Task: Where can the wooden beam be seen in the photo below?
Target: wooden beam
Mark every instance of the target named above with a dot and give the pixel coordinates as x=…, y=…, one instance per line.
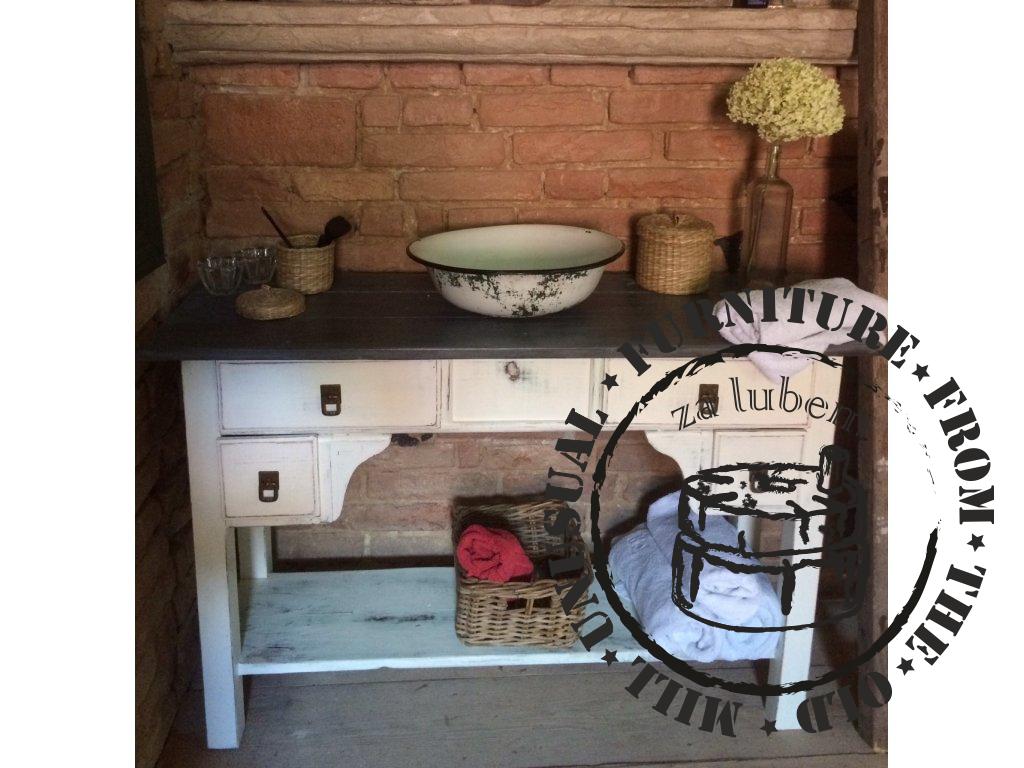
x=872, y=230
x=209, y=32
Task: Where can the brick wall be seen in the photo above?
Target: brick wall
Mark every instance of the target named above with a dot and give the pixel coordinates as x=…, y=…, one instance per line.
x=166, y=636
x=399, y=502
x=406, y=150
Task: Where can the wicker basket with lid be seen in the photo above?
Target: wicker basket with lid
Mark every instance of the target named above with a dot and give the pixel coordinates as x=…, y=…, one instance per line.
x=674, y=254
x=306, y=268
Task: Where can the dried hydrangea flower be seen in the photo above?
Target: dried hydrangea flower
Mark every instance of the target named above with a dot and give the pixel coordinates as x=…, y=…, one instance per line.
x=786, y=99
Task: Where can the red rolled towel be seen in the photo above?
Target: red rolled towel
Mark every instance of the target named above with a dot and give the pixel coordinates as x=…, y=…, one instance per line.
x=492, y=554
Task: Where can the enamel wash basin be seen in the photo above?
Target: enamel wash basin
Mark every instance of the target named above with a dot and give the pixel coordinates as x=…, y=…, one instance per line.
x=516, y=270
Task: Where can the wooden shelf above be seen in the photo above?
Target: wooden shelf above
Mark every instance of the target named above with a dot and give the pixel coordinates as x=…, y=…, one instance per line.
x=258, y=32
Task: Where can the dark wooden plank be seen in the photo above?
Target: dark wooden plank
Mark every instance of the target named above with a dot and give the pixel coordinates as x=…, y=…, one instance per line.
x=393, y=316
x=872, y=237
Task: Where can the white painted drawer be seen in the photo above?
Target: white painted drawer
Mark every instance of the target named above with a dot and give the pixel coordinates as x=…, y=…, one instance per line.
x=685, y=392
x=289, y=463
x=735, y=447
x=283, y=397
x=517, y=393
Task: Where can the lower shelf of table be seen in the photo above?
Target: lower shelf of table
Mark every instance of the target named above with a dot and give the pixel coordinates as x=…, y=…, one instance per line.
x=401, y=618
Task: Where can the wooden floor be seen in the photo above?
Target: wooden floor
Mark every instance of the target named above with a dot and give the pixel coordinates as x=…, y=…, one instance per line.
x=525, y=717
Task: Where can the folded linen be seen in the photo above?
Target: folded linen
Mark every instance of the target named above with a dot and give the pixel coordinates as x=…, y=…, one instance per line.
x=641, y=564
x=807, y=335
x=492, y=554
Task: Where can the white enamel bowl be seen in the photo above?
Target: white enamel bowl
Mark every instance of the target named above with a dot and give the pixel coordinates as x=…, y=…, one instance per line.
x=516, y=270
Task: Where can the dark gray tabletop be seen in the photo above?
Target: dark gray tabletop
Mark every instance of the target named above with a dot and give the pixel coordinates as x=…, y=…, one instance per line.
x=399, y=316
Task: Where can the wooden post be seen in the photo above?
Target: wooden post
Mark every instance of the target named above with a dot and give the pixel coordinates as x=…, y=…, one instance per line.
x=872, y=236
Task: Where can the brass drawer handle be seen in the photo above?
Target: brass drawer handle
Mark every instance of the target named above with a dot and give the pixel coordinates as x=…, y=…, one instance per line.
x=269, y=485
x=512, y=370
x=707, y=400
x=330, y=399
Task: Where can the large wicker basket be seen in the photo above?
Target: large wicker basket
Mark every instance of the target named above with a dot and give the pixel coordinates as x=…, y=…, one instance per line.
x=305, y=268
x=674, y=254
x=517, y=613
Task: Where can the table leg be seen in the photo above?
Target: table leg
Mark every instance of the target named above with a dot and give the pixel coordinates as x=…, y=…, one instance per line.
x=216, y=580
x=255, y=553
x=792, y=660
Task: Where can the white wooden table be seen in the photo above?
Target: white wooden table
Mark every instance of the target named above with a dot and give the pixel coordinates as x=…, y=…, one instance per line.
x=256, y=422
x=279, y=415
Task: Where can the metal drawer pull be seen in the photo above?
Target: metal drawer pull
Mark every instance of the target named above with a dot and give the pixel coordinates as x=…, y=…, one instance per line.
x=512, y=370
x=330, y=399
x=707, y=400
x=270, y=484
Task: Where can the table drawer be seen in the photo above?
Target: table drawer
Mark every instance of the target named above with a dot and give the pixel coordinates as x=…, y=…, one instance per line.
x=270, y=477
x=519, y=392
x=718, y=381
x=283, y=397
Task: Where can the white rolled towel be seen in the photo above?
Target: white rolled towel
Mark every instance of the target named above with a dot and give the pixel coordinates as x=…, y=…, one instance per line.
x=641, y=564
x=807, y=335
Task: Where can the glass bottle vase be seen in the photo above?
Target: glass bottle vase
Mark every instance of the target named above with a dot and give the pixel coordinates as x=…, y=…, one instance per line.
x=769, y=211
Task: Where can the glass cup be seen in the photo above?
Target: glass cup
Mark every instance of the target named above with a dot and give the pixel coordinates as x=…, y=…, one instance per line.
x=221, y=275
x=258, y=264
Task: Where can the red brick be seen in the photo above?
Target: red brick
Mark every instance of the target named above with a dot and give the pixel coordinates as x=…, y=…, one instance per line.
x=346, y=75
x=438, y=110
x=335, y=184
x=433, y=485
x=816, y=183
x=653, y=75
x=374, y=254
x=737, y=143
x=264, y=130
x=529, y=109
x=386, y=516
x=588, y=74
x=693, y=104
x=434, y=150
x=461, y=218
x=826, y=220
x=414, y=544
x=171, y=139
x=318, y=543
x=165, y=97
x=232, y=183
x=425, y=75
x=429, y=219
x=835, y=258
x=382, y=111
x=382, y=219
x=523, y=484
x=273, y=75
x=710, y=144
x=243, y=219
x=435, y=453
x=839, y=145
x=174, y=185
x=471, y=185
x=581, y=146
x=675, y=182
x=504, y=74
x=574, y=185
x=614, y=221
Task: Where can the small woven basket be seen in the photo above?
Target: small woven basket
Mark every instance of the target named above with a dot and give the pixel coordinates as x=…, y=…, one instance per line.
x=674, y=254
x=266, y=303
x=305, y=268
x=517, y=613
